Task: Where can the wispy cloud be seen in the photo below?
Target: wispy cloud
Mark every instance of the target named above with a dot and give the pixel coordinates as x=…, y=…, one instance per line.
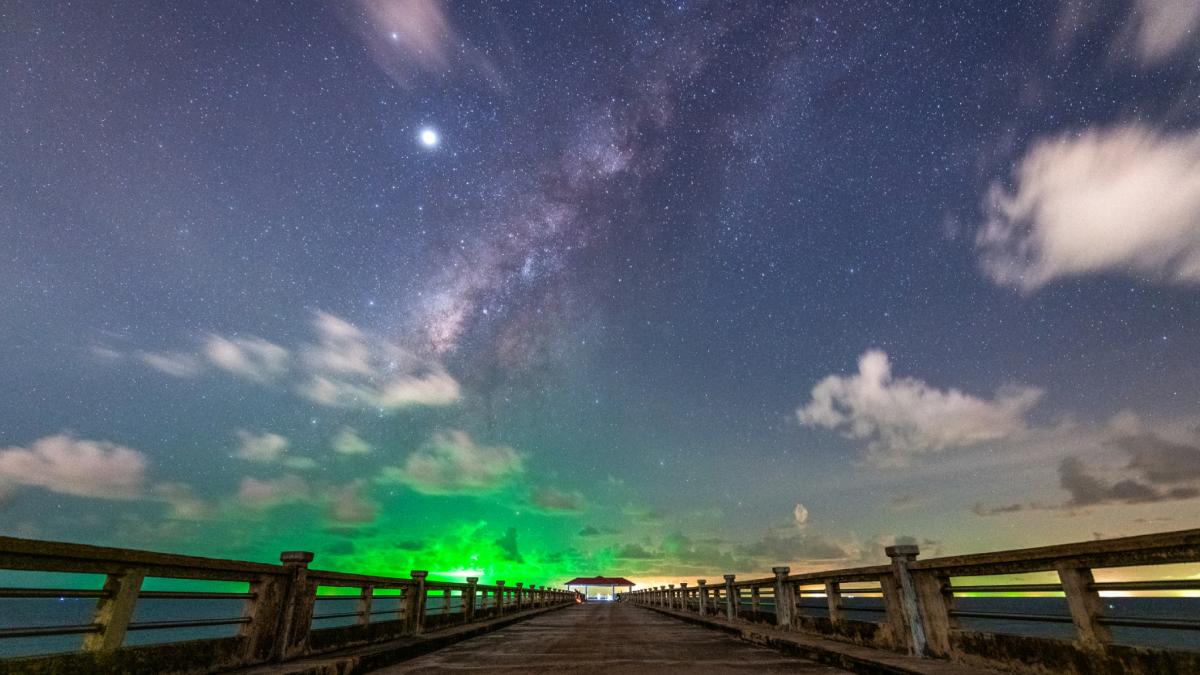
x=268, y=493
x=453, y=463
x=901, y=418
x=413, y=38
x=175, y=364
x=1164, y=27
x=346, y=367
x=264, y=448
x=347, y=442
x=249, y=357
x=350, y=505
x=349, y=368
x=1123, y=200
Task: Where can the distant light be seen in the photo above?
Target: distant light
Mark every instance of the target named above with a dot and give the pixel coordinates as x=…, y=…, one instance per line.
x=429, y=137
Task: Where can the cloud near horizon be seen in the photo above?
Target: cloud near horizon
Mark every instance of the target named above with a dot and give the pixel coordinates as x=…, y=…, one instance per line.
x=73, y=466
x=1122, y=200
x=902, y=418
x=452, y=463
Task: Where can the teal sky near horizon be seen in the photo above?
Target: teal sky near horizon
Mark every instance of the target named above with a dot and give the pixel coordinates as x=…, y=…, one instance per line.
x=535, y=290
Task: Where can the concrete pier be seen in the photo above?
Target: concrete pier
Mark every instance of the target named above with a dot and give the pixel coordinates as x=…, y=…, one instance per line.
x=609, y=637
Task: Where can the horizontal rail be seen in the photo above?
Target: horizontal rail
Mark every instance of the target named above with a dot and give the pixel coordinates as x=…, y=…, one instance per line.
x=187, y=623
x=50, y=593
x=1132, y=622
x=197, y=595
x=1163, y=585
x=336, y=615
x=1009, y=588
x=1012, y=616
x=52, y=556
x=1148, y=549
x=41, y=631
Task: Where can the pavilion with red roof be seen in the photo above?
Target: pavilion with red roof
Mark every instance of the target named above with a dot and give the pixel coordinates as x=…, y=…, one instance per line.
x=593, y=588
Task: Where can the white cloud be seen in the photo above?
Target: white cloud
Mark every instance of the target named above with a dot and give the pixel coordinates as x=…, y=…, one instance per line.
x=272, y=492
x=1164, y=27
x=904, y=417
x=452, y=463
x=345, y=368
x=800, y=515
x=105, y=353
x=349, y=368
x=252, y=357
x=74, y=466
x=1122, y=200
x=348, y=442
x=263, y=448
x=175, y=364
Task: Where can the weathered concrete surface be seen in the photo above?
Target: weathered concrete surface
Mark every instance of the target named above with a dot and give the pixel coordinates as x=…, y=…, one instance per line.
x=853, y=658
x=606, y=637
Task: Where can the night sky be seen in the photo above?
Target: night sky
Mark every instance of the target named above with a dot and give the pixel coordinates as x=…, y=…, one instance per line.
x=655, y=289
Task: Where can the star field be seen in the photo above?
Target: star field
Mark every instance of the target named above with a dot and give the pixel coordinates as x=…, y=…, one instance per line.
x=538, y=289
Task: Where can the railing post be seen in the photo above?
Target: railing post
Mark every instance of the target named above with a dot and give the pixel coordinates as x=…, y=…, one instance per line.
x=469, y=600
x=833, y=599
x=908, y=624
x=703, y=596
x=114, y=610
x=732, y=597
x=446, y=595
x=783, y=596
x=416, y=615
x=265, y=610
x=1085, y=605
x=755, y=601
x=671, y=597
x=500, y=598
x=298, y=605
x=937, y=603
x=364, y=605
x=518, y=594
x=684, y=597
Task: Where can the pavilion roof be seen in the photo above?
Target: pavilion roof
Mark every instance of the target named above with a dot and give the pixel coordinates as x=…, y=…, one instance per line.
x=600, y=581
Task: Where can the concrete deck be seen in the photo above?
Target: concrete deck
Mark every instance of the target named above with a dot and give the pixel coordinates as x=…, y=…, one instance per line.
x=606, y=637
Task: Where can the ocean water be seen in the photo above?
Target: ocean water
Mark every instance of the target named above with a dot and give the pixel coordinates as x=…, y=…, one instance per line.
x=66, y=611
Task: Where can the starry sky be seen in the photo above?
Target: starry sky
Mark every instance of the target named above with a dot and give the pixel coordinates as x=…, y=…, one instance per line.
x=533, y=290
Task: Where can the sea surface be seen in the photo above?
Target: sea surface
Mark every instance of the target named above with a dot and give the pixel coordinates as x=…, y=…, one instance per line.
x=67, y=611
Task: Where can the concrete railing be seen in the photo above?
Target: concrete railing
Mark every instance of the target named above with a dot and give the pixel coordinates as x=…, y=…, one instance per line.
x=279, y=605
x=919, y=614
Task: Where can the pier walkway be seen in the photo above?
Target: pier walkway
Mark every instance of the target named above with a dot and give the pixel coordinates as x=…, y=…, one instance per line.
x=609, y=637
x=1124, y=606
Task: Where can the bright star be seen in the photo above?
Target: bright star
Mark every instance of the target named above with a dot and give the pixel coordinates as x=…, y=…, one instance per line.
x=429, y=137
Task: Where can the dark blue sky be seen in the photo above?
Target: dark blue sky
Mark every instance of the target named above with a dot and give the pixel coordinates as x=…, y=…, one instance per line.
x=627, y=280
